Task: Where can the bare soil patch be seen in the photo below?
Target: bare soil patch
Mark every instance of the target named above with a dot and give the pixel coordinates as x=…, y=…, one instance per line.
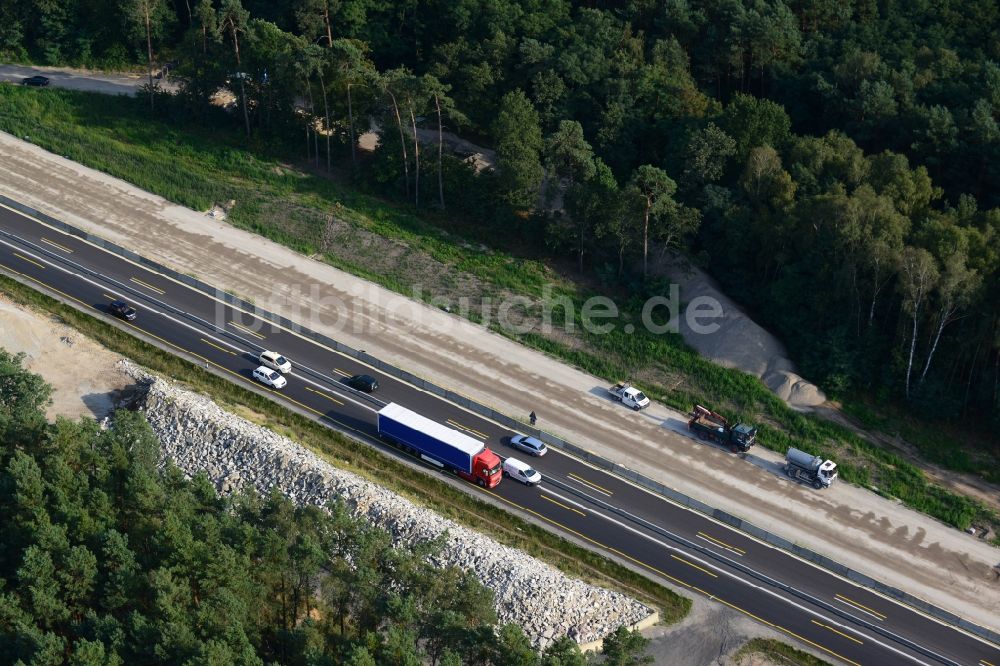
x=84, y=376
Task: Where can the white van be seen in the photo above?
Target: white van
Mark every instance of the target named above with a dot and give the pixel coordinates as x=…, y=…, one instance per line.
x=521, y=471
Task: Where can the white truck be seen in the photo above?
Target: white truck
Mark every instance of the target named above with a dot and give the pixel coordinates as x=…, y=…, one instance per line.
x=629, y=395
x=809, y=468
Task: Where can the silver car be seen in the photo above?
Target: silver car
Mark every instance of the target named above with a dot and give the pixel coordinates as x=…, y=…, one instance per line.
x=531, y=445
x=275, y=361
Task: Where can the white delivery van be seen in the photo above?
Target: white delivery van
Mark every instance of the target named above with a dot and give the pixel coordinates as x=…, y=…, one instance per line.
x=521, y=471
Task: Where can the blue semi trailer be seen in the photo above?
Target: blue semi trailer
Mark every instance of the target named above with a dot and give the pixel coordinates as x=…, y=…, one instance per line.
x=439, y=445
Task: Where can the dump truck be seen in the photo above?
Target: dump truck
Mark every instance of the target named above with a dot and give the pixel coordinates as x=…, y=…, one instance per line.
x=629, y=395
x=439, y=445
x=714, y=427
x=812, y=469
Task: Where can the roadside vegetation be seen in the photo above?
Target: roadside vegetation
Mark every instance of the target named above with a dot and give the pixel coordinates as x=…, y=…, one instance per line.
x=776, y=653
x=834, y=167
x=109, y=560
x=359, y=458
x=332, y=219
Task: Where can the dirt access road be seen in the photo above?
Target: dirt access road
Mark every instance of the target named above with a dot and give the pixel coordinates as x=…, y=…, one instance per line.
x=111, y=83
x=848, y=524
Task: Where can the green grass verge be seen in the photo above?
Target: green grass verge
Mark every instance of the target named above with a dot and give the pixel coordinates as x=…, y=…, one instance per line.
x=934, y=442
x=778, y=653
x=361, y=459
x=197, y=166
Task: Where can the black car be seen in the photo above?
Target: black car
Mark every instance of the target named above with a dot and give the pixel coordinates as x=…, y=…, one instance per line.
x=35, y=81
x=365, y=383
x=122, y=309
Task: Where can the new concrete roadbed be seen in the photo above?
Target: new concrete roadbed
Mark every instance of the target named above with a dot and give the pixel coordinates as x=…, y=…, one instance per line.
x=604, y=512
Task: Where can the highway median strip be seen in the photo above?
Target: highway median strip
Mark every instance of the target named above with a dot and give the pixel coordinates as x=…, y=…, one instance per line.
x=428, y=490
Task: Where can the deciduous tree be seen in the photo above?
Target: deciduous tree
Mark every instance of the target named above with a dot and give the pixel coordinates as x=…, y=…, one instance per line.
x=918, y=276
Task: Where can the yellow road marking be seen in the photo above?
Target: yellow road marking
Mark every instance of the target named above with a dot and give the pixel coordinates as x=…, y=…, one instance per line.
x=246, y=330
x=30, y=261
x=692, y=564
x=489, y=492
x=565, y=506
x=203, y=294
x=721, y=543
x=826, y=626
x=590, y=483
x=325, y=395
x=985, y=663
x=110, y=297
x=341, y=372
x=195, y=354
x=147, y=285
x=664, y=574
x=221, y=349
x=844, y=599
x=471, y=431
x=57, y=245
x=28, y=277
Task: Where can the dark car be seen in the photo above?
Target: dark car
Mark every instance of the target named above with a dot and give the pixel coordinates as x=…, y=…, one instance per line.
x=122, y=309
x=35, y=81
x=365, y=383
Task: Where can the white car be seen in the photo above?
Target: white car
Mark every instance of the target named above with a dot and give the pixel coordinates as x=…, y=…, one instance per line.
x=269, y=377
x=275, y=361
x=521, y=471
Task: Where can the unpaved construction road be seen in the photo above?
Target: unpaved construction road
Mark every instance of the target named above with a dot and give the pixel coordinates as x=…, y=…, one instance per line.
x=875, y=536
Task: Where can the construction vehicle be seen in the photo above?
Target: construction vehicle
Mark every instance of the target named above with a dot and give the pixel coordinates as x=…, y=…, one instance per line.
x=714, y=427
x=812, y=469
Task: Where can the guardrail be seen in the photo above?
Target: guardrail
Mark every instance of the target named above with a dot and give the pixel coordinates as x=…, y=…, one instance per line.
x=514, y=424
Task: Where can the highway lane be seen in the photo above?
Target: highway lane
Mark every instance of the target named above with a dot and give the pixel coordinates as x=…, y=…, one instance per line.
x=597, y=508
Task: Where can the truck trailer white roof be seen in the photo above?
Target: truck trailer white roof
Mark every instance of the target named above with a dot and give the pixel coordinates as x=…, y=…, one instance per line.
x=408, y=417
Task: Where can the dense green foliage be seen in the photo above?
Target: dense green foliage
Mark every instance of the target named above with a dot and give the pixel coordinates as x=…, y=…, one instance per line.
x=291, y=207
x=106, y=559
x=835, y=165
x=796, y=149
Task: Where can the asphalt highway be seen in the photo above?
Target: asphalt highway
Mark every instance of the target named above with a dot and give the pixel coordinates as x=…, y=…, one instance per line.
x=847, y=623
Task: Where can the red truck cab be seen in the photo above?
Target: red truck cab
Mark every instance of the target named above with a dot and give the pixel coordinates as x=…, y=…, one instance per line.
x=486, y=469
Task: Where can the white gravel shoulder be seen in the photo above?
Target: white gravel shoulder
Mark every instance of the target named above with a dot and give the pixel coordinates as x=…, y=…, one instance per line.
x=199, y=436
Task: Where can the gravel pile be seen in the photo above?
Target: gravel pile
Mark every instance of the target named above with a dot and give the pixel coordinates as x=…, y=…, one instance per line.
x=198, y=436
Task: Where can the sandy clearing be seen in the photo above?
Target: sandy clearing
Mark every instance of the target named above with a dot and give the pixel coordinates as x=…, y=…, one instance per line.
x=84, y=375
x=854, y=526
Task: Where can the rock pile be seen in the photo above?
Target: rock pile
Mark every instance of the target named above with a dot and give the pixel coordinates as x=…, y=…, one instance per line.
x=198, y=436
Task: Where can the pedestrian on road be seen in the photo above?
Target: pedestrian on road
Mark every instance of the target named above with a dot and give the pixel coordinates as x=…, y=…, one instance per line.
x=532, y=418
